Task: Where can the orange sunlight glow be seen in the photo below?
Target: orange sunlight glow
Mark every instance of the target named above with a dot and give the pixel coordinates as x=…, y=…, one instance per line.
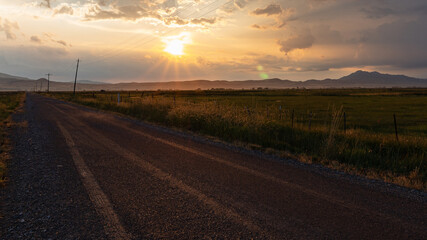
x=175, y=47
x=175, y=44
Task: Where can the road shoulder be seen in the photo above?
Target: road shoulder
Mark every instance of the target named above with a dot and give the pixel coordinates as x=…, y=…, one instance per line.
x=44, y=197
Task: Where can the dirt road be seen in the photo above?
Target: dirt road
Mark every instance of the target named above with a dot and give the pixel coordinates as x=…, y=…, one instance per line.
x=78, y=173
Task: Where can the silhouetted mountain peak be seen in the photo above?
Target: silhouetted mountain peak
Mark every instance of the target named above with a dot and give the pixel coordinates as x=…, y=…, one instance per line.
x=362, y=74
x=363, y=77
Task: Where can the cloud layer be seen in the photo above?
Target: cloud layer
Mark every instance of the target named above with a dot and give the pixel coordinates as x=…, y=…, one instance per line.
x=230, y=38
x=272, y=9
x=9, y=28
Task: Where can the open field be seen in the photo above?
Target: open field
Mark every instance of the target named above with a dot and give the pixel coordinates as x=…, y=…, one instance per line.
x=304, y=124
x=8, y=104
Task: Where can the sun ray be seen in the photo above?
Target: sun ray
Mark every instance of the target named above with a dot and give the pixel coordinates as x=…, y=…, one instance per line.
x=165, y=70
x=176, y=70
x=187, y=70
x=155, y=66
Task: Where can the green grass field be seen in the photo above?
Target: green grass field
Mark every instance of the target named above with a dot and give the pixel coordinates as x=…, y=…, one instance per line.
x=8, y=104
x=305, y=124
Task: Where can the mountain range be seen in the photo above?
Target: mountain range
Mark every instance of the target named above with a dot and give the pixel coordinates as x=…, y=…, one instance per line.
x=359, y=79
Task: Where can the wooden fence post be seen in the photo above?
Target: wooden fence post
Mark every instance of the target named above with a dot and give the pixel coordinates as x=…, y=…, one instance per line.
x=345, y=123
x=293, y=113
x=309, y=121
x=395, y=128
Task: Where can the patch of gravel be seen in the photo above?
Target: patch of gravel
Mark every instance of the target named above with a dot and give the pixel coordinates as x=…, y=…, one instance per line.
x=44, y=198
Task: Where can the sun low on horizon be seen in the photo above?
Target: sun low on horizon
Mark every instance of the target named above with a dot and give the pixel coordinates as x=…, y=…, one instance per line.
x=175, y=45
x=168, y=40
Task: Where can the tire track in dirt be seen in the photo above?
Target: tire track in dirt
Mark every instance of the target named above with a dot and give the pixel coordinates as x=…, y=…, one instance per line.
x=156, y=172
x=112, y=225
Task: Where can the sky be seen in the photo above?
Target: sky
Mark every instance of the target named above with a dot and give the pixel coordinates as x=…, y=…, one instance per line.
x=176, y=40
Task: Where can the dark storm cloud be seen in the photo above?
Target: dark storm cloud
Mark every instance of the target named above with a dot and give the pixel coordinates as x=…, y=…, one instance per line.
x=300, y=41
x=400, y=43
x=270, y=62
x=377, y=12
x=343, y=34
x=323, y=34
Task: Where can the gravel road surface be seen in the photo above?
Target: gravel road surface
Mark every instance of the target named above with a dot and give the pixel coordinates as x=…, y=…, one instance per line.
x=79, y=173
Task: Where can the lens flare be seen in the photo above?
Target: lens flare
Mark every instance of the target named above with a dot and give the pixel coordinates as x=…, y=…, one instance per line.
x=264, y=75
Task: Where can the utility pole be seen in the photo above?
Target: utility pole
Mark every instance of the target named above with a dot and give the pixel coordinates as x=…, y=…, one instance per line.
x=75, y=79
x=48, y=81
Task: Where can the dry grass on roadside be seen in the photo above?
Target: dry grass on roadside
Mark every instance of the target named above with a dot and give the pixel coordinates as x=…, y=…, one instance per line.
x=412, y=180
x=9, y=103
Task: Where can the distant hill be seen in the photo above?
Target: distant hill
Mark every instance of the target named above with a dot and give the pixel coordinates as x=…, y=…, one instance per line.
x=90, y=82
x=359, y=79
x=3, y=75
